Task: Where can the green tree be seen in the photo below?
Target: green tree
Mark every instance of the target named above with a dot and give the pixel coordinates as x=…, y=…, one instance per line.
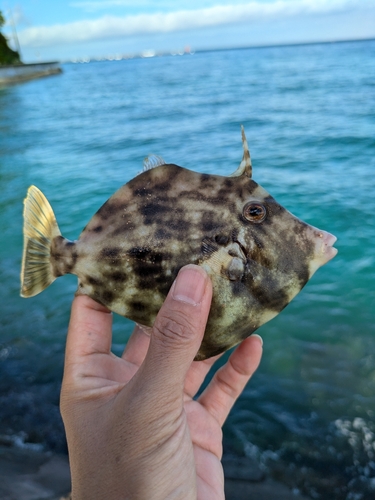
x=7, y=55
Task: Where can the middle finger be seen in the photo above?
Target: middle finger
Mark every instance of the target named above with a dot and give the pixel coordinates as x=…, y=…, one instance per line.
x=197, y=373
x=137, y=346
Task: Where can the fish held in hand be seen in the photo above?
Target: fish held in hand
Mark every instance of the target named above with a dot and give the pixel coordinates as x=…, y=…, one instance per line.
x=257, y=254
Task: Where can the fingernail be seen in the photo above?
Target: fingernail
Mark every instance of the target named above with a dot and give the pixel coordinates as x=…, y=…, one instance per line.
x=190, y=285
x=259, y=337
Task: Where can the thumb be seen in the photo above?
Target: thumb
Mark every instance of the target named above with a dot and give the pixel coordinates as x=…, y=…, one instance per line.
x=179, y=327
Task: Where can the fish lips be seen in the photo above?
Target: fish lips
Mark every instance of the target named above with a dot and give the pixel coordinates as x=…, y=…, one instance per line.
x=327, y=248
x=324, y=249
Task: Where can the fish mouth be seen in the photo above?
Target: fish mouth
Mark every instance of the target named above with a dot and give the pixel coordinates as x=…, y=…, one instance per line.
x=325, y=248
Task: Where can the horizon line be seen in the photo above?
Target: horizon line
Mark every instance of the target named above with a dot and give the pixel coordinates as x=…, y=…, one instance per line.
x=288, y=44
x=141, y=54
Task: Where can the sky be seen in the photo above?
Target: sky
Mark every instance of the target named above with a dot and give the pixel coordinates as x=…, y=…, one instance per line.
x=71, y=29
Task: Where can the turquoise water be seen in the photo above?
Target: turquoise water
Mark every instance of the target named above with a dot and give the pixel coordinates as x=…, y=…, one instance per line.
x=308, y=415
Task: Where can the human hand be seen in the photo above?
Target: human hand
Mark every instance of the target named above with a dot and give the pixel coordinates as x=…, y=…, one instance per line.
x=134, y=430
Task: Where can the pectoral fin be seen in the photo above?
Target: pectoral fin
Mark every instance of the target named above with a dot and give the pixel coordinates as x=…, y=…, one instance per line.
x=225, y=261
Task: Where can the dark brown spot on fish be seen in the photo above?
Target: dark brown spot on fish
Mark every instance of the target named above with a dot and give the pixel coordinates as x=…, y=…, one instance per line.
x=147, y=270
x=228, y=183
x=225, y=189
x=162, y=234
x=208, y=349
x=63, y=256
x=153, y=212
x=106, y=210
x=209, y=222
x=69, y=268
x=209, y=226
x=164, y=284
x=274, y=302
x=156, y=257
x=251, y=186
x=267, y=290
x=94, y=281
x=110, y=209
x=147, y=265
x=70, y=263
x=238, y=288
x=303, y=276
x=137, y=305
x=57, y=246
x=218, y=200
x=98, y=229
x=221, y=239
x=258, y=253
x=179, y=225
x=107, y=296
x=300, y=229
x=113, y=256
x=139, y=252
x=208, y=186
x=56, y=255
x=124, y=228
x=273, y=210
x=270, y=199
x=162, y=187
x=110, y=253
x=217, y=311
x=118, y=276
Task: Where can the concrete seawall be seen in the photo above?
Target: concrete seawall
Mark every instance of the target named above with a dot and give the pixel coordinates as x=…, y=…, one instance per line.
x=23, y=72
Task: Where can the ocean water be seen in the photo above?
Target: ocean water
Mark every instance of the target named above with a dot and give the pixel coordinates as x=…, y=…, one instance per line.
x=308, y=415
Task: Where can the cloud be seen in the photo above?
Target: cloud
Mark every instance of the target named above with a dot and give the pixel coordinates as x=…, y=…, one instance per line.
x=95, y=5
x=110, y=27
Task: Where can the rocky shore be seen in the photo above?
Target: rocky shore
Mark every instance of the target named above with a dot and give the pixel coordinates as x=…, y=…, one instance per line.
x=27, y=474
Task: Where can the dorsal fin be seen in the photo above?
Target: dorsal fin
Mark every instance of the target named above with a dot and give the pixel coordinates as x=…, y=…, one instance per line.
x=245, y=167
x=152, y=161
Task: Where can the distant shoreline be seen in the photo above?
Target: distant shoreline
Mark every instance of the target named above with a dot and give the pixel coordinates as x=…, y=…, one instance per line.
x=291, y=44
x=147, y=54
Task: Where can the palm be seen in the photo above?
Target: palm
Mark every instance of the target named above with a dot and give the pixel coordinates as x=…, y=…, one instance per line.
x=98, y=376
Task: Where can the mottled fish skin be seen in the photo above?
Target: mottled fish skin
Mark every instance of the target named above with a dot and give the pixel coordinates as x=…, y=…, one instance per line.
x=132, y=249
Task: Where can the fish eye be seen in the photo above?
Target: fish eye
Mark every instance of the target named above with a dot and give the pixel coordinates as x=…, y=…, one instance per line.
x=254, y=212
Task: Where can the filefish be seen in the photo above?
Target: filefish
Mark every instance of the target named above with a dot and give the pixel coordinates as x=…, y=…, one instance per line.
x=257, y=254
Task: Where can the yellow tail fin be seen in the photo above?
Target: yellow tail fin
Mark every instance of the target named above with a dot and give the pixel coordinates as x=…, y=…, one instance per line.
x=39, y=229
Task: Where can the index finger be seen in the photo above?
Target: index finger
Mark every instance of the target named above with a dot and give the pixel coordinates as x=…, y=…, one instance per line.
x=90, y=329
